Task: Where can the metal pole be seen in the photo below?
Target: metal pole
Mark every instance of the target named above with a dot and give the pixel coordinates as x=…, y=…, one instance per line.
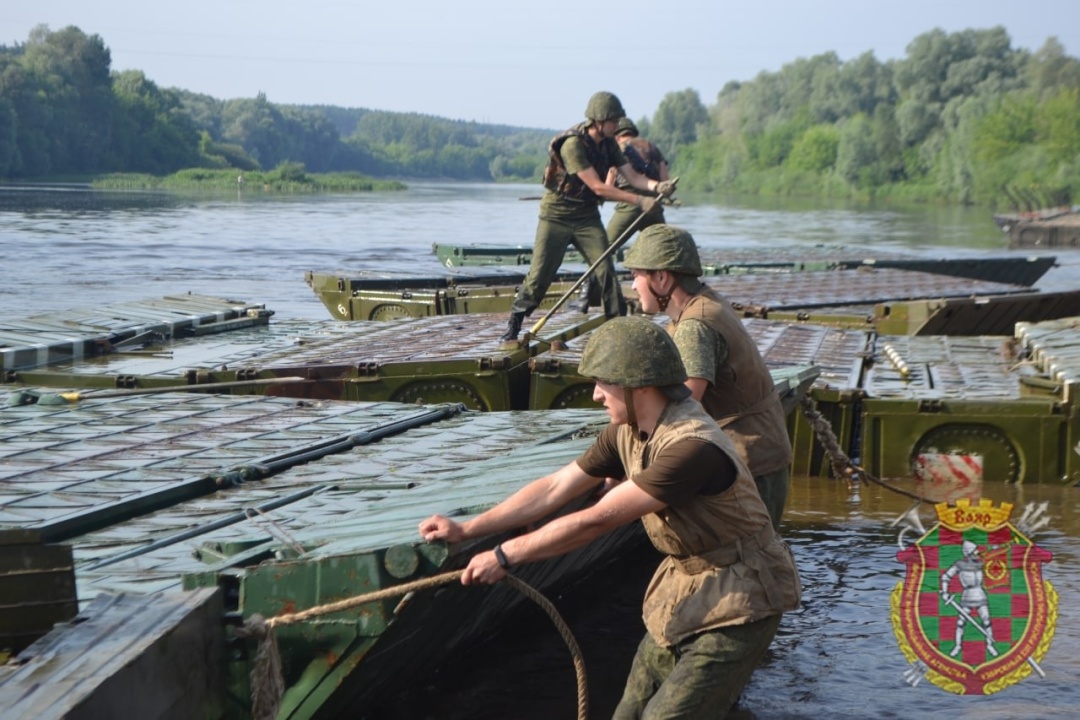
x=619, y=242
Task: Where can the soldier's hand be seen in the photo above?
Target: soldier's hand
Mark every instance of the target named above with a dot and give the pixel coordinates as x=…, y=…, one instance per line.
x=665, y=188
x=438, y=527
x=648, y=204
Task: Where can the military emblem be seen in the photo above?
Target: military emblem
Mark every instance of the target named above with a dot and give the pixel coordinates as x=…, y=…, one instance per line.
x=974, y=614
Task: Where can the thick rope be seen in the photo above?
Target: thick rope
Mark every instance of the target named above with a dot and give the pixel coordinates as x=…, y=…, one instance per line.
x=842, y=465
x=268, y=686
x=564, y=630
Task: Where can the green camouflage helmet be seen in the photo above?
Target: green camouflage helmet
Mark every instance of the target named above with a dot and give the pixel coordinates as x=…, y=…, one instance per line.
x=604, y=106
x=664, y=247
x=632, y=352
x=626, y=126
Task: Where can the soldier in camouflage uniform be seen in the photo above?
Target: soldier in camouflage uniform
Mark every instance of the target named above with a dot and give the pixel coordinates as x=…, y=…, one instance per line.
x=575, y=184
x=647, y=159
x=716, y=599
x=726, y=370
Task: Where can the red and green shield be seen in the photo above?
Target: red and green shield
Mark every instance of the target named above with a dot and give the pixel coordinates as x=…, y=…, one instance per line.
x=1022, y=606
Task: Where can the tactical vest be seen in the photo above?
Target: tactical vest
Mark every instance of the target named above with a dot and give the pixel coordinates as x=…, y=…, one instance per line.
x=725, y=564
x=742, y=398
x=644, y=157
x=570, y=187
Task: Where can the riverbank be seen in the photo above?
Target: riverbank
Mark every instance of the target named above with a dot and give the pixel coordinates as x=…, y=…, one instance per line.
x=286, y=178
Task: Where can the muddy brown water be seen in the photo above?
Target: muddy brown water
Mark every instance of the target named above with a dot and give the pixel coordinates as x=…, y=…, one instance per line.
x=837, y=657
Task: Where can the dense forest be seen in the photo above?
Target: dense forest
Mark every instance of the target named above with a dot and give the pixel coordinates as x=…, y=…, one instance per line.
x=963, y=118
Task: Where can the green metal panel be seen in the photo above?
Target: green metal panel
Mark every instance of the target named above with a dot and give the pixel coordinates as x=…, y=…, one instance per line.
x=463, y=299
x=395, y=304
x=847, y=317
x=455, y=256
x=1071, y=441
x=799, y=258
x=840, y=409
x=961, y=395
x=450, y=358
x=447, y=359
x=1020, y=440
x=387, y=296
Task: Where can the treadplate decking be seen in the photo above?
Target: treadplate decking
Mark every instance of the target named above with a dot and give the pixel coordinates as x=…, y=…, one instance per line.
x=41, y=340
x=184, y=490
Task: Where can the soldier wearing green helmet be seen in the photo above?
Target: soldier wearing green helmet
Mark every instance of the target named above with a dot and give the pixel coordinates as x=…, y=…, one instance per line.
x=575, y=182
x=716, y=599
x=647, y=159
x=726, y=370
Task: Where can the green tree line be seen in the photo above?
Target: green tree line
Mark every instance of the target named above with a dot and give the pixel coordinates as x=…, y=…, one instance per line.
x=64, y=112
x=962, y=118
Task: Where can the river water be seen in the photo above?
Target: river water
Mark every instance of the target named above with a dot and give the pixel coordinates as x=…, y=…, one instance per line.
x=837, y=657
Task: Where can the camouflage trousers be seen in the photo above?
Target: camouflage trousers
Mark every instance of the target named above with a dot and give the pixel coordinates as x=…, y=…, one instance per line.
x=624, y=216
x=700, y=678
x=773, y=488
x=552, y=239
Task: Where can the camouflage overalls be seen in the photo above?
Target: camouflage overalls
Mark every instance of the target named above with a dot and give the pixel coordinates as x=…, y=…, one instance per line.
x=714, y=604
x=570, y=215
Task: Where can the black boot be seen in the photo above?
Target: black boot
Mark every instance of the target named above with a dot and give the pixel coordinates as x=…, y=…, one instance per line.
x=513, y=327
x=581, y=305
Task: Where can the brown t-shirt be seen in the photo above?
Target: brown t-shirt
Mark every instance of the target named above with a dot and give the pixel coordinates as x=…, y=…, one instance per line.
x=685, y=469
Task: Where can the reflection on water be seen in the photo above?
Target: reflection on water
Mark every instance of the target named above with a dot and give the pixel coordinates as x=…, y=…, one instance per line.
x=837, y=657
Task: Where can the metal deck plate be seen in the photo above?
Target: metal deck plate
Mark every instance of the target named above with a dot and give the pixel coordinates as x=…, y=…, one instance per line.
x=780, y=291
x=944, y=367
x=89, y=471
x=453, y=358
x=1053, y=346
x=39, y=340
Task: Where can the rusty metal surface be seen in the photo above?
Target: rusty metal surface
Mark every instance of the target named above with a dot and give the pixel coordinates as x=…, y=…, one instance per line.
x=397, y=280
x=1052, y=227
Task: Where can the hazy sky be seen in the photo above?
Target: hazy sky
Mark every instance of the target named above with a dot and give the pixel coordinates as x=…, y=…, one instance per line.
x=531, y=63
